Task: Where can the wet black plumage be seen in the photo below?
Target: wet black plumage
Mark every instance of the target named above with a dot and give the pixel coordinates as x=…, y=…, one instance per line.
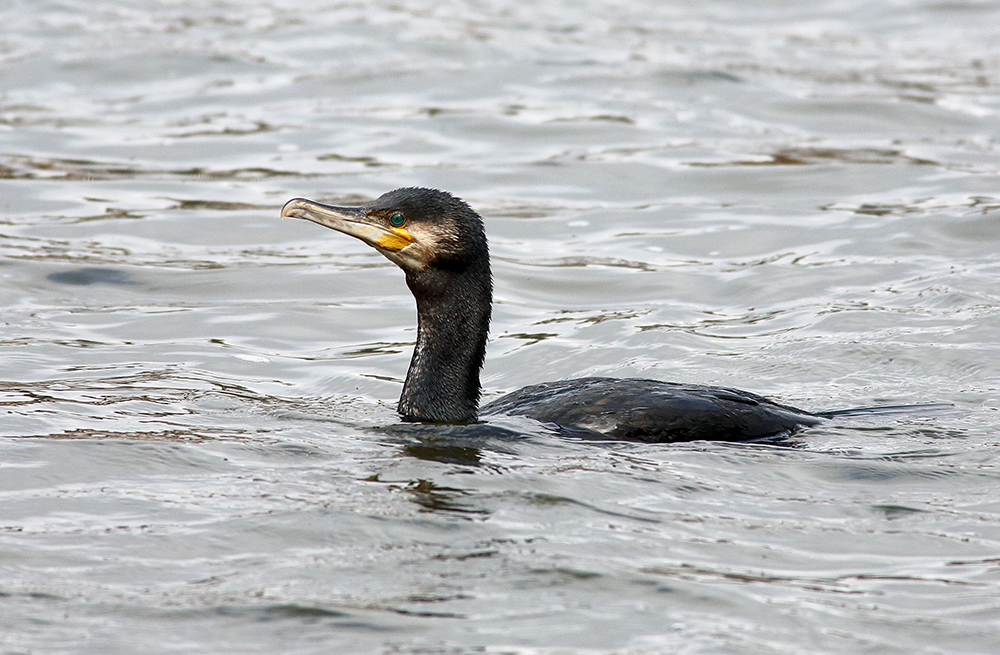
x=440, y=244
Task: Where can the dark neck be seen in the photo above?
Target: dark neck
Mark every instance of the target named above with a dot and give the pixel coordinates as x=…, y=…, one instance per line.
x=453, y=318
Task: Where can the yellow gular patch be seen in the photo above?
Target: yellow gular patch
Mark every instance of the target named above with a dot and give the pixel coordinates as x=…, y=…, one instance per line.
x=395, y=240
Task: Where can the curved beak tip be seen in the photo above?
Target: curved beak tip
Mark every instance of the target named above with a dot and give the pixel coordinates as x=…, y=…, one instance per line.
x=289, y=207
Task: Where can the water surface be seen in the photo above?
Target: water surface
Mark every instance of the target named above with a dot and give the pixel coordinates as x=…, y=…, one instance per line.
x=199, y=449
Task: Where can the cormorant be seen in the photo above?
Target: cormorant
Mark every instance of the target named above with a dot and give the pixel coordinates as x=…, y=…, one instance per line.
x=439, y=242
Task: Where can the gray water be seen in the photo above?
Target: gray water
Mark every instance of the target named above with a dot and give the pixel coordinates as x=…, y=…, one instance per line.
x=199, y=448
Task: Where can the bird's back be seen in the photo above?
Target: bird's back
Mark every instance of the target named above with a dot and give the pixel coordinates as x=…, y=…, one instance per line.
x=652, y=411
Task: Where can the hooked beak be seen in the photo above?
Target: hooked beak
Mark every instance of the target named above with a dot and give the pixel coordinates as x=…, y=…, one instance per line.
x=353, y=221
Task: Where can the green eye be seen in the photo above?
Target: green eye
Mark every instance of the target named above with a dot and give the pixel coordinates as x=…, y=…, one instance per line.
x=397, y=220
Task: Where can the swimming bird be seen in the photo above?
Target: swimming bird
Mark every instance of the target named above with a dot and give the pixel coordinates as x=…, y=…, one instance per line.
x=440, y=243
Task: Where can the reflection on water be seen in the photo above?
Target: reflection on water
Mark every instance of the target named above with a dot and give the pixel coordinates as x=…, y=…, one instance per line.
x=199, y=437
x=92, y=275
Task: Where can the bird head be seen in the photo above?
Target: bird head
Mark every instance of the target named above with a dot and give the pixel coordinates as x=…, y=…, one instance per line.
x=415, y=228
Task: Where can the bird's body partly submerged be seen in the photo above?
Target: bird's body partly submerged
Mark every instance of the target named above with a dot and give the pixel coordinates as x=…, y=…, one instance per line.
x=651, y=410
x=440, y=244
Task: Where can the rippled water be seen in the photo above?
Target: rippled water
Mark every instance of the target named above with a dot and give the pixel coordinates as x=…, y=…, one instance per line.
x=199, y=448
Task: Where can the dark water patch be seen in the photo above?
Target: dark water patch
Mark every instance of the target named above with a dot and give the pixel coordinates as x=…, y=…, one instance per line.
x=305, y=615
x=445, y=453
x=433, y=497
x=381, y=348
x=892, y=512
x=181, y=435
x=985, y=204
x=894, y=209
x=584, y=262
x=248, y=173
x=978, y=204
x=68, y=170
x=560, y=575
x=111, y=213
x=608, y=118
x=714, y=323
x=92, y=275
x=219, y=205
x=552, y=500
x=674, y=77
x=530, y=339
x=166, y=386
x=584, y=318
x=993, y=562
x=882, y=473
x=692, y=572
x=367, y=161
x=786, y=258
x=256, y=128
x=473, y=434
x=462, y=557
x=813, y=156
x=81, y=251
x=32, y=595
x=841, y=584
x=87, y=343
x=462, y=445
x=285, y=611
x=28, y=167
x=425, y=614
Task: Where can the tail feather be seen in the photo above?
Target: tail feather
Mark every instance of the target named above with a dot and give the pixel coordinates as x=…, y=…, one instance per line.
x=887, y=410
